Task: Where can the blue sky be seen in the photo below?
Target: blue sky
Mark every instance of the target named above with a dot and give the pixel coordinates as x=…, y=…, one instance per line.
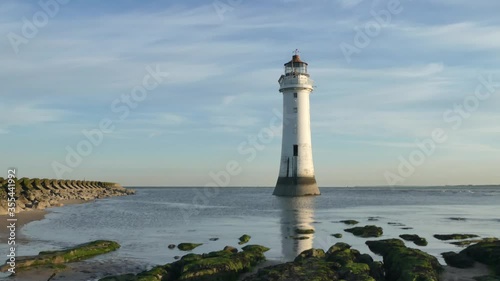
x=223, y=60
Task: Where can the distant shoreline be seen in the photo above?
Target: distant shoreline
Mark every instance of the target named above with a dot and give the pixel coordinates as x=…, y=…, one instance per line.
x=343, y=187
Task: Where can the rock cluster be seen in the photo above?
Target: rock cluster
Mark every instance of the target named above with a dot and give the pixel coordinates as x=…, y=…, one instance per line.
x=340, y=262
x=402, y=263
x=486, y=251
x=52, y=258
x=220, y=265
x=38, y=194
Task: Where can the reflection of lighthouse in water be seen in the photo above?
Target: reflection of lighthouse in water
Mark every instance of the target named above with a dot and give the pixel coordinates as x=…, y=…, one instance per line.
x=296, y=213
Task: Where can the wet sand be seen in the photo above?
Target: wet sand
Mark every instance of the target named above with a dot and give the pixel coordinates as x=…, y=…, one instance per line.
x=80, y=271
x=467, y=274
x=22, y=219
x=26, y=217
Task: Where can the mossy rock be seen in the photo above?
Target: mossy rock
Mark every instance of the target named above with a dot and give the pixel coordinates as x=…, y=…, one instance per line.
x=343, y=257
x=311, y=253
x=337, y=235
x=377, y=270
x=364, y=258
x=339, y=246
x=304, y=230
x=77, y=253
x=402, y=263
x=420, y=241
x=255, y=248
x=485, y=252
x=464, y=243
x=349, y=222
x=339, y=263
x=356, y=271
x=188, y=246
x=382, y=247
x=218, y=265
x=446, y=237
x=222, y=265
x=366, y=231
x=244, y=239
x=458, y=260
x=311, y=269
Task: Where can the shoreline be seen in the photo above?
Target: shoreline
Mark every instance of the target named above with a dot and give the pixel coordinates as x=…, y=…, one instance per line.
x=26, y=216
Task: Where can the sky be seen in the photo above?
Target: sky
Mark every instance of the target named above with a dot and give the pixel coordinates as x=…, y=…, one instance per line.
x=184, y=93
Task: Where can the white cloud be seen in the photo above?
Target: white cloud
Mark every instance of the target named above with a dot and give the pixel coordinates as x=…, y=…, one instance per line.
x=470, y=35
x=21, y=115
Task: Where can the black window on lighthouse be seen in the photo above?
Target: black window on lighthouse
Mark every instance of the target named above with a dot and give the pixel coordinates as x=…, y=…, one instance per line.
x=295, y=150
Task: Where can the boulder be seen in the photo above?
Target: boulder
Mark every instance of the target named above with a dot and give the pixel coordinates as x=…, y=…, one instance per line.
x=188, y=246
x=487, y=252
x=402, y=263
x=455, y=236
x=244, y=239
x=350, y=222
x=420, y=241
x=366, y=231
x=458, y=260
x=77, y=253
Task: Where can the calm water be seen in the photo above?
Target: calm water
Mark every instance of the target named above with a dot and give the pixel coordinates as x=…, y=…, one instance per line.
x=146, y=223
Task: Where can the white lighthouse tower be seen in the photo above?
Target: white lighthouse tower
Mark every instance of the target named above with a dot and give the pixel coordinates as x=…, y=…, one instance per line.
x=296, y=176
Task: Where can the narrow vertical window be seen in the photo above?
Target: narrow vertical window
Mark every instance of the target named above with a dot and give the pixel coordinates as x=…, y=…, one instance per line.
x=295, y=95
x=295, y=150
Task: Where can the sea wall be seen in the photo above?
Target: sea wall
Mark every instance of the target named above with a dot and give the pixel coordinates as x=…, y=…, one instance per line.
x=38, y=194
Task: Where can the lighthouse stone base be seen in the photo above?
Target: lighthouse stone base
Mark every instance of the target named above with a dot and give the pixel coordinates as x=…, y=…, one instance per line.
x=294, y=187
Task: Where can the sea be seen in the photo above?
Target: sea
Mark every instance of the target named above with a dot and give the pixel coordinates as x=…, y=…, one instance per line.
x=146, y=223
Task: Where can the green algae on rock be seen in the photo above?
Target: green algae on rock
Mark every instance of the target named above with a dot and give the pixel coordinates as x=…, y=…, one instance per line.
x=337, y=235
x=219, y=265
x=366, y=231
x=402, y=263
x=464, y=243
x=455, y=236
x=188, y=246
x=316, y=265
x=349, y=222
x=77, y=253
x=487, y=252
x=311, y=253
x=419, y=241
x=244, y=239
x=457, y=260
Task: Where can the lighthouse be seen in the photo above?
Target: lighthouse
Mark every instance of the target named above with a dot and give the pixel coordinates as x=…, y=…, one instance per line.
x=296, y=176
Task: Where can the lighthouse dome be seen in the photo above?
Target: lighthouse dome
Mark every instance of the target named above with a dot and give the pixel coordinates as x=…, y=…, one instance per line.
x=295, y=66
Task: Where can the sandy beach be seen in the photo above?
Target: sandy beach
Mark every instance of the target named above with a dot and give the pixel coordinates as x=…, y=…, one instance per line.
x=26, y=217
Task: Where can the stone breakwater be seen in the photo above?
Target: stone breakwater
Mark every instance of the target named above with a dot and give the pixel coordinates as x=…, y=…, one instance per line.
x=38, y=194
